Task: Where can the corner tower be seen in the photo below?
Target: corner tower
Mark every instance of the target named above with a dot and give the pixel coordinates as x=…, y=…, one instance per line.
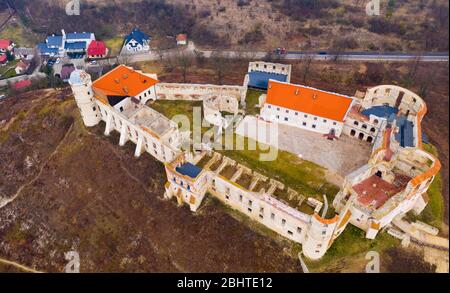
x=319, y=237
x=81, y=85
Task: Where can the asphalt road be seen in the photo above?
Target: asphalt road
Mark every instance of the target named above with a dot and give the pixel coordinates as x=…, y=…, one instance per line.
x=350, y=56
x=354, y=56
x=367, y=56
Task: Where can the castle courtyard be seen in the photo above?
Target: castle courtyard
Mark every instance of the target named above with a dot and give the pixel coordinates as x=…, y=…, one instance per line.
x=341, y=156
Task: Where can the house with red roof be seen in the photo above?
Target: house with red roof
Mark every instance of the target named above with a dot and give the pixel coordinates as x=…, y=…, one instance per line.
x=22, y=66
x=97, y=49
x=6, y=45
x=181, y=40
x=3, y=59
x=22, y=84
x=123, y=82
x=305, y=107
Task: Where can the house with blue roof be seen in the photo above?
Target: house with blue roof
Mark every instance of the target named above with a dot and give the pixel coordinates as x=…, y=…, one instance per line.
x=71, y=43
x=137, y=42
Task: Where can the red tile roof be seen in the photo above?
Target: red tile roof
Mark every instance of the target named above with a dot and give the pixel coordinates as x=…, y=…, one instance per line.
x=308, y=100
x=22, y=84
x=4, y=44
x=123, y=81
x=374, y=191
x=96, y=48
x=181, y=37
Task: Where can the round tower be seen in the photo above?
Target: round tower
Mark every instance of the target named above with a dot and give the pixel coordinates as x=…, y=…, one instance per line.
x=81, y=85
x=319, y=236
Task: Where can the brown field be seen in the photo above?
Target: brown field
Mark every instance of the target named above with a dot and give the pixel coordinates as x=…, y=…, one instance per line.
x=82, y=192
x=327, y=25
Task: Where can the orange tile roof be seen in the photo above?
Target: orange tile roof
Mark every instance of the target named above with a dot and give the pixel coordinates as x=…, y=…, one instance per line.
x=123, y=81
x=308, y=100
x=326, y=221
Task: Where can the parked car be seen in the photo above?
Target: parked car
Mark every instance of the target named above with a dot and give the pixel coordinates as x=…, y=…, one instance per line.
x=51, y=62
x=280, y=51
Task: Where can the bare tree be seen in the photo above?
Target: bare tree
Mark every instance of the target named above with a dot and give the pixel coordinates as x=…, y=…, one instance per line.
x=426, y=77
x=221, y=65
x=413, y=66
x=184, y=61
x=169, y=61
x=307, y=60
x=164, y=45
x=337, y=47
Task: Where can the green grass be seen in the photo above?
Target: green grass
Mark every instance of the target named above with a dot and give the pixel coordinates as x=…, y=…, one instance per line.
x=15, y=126
x=114, y=45
x=433, y=213
x=352, y=244
x=8, y=70
x=303, y=176
x=172, y=108
x=18, y=35
x=252, y=100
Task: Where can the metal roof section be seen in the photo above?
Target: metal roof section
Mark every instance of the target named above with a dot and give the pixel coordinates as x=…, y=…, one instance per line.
x=138, y=36
x=54, y=41
x=260, y=79
x=189, y=169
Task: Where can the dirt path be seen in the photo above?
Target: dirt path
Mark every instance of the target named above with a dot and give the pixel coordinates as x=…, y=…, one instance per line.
x=8, y=200
x=19, y=266
x=84, y=193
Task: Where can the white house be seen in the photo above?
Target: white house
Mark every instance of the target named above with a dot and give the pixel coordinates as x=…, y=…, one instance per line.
x=306, y=107
x=137, y=41
x=22, y=66
x=182, y=40
x=58, y=46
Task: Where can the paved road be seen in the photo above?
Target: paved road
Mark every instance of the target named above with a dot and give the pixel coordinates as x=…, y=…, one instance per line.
x=350, y=56
x=291, y=55
x=364, y=56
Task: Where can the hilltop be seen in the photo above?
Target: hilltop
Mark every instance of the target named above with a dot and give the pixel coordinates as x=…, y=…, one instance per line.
x=294, y=24
x=75, y=189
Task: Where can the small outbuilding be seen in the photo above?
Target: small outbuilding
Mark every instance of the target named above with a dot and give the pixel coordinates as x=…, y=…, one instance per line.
x=22, y=66
x=182, y=40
